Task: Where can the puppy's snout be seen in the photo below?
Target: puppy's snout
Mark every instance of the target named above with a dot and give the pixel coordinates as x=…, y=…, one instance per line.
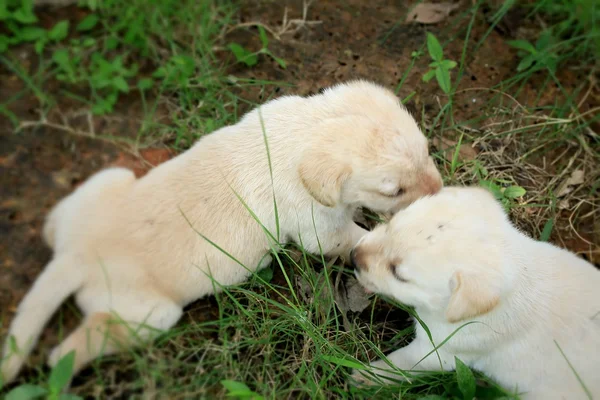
x=357, y=259
x=432, y=184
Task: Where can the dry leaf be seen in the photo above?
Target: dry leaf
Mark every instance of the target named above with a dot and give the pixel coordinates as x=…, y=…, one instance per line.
x=431, y=13
x=65, y=178
x=322, y=299
x=350, y=296
x=564, y=204
x=448, y=146
x=576, y=178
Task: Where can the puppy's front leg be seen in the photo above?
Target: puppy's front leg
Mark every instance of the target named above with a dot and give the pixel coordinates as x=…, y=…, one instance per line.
x=404, y=359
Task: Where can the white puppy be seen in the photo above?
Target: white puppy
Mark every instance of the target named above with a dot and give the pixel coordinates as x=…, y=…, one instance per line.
x=456, y=258
x=140, y=250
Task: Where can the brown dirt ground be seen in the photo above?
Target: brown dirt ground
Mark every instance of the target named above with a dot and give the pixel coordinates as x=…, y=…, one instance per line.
x=352, y=39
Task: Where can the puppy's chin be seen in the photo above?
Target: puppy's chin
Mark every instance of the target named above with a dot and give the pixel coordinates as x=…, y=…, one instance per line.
x=367, y=286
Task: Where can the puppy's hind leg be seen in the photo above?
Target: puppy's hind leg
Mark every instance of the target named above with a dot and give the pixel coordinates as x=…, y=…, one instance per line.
x=60, y=278
x=103, y=333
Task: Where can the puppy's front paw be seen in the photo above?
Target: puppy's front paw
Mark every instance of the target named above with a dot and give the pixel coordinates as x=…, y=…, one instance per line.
x=360, y=378
x=379, y=373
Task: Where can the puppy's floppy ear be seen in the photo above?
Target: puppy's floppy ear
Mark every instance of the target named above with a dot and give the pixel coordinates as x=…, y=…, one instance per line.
x=323, y=176
x=470, y=298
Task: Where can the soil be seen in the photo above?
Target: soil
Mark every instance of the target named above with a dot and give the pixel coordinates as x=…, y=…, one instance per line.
x=350, y=39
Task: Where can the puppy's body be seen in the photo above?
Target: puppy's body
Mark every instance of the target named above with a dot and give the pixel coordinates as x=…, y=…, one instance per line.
x=140, y=250
x=462, y=261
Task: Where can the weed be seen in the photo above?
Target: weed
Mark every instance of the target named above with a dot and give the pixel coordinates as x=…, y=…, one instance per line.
x=59, y=377
x=240, y=390
x=542, y=55
x=440, y=67
x=504, y=191
x=251, y=58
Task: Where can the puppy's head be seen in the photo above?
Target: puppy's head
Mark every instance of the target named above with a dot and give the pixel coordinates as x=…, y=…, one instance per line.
x=443, y=254
x=367, y=151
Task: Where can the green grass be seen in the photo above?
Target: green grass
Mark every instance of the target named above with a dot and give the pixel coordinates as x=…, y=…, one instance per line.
x=284, y=334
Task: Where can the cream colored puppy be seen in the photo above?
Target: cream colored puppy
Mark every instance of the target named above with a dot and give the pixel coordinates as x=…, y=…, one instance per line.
x=456, y=258
x=140, y=250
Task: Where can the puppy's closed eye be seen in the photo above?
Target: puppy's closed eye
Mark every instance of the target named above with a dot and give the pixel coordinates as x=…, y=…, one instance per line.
x=393, y=268
x=396, y=193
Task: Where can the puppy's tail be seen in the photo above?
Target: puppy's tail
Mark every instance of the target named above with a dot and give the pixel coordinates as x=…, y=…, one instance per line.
x=58, y=281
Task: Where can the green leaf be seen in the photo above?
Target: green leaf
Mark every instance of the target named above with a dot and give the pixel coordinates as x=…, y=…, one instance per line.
x=243, y=55
x=279, y=61
x=522, y=45
x=185, y=64
x=59, y=31
x=100, y=108
x=526, y=62
x=493, y=188
x=88, y=23
x=239, y=389
x=432, y=397
x=265, y=274
x=434, y=47
x=39, y=46
x=513, y=192
x=443, y=78
x=161, y=72
x=26, y=392
x=263, y=37
x=69, y=396
x=465, y=379
x=121, y=84
x=547, y=231
x=448, y=64
x=235, y=386
x=31, y=33
x=551, y=63
x=61, y=57
x=3, y=43
x=24, y=16
x=111, y=43
x=344, y=362
x=4, y=14
x=145, y=83
x=545, y=40
x=61, y=373
x=429, y=75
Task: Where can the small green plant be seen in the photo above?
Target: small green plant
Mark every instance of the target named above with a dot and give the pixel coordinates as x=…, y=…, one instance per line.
x=177, y=71
x=440, y=68
x=249, y=58
x=107, y=78
x=57, y=382
x=465, y=379
x=240, y=390
x=20, y=20
x=504, y=191
x=539, y=56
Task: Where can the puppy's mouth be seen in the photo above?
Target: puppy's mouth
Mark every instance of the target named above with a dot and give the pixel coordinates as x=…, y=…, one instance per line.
x=366, y=286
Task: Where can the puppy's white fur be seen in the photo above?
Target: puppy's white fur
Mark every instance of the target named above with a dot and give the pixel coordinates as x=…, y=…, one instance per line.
x=456, y=257
x=138, y=251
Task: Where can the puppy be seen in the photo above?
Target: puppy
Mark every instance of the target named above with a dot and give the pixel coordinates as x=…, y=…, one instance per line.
x=456, y=258
x=135, y=252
